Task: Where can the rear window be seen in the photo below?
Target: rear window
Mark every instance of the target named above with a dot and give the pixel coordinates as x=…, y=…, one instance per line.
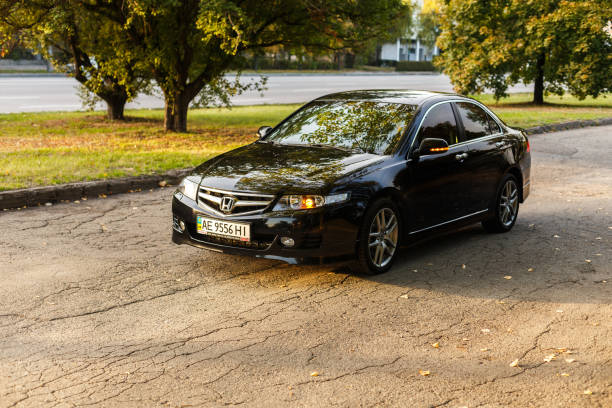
x=476, y=122
x=368, y=126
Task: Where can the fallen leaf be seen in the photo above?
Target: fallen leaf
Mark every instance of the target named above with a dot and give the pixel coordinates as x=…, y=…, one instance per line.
x=550, y=358
x=587, y=260
x=314, y=374
x=570, y=360
x=587, y=392
x=162, y=183
x=424, y=373
x=436, y=345
x=530, y=270
x=514, y=363
x=484, y=349
x=565, y=375
x=404, y=296
x=507, y=277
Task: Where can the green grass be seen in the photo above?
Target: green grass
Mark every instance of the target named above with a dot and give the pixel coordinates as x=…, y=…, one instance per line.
x=60, y=147
x=20, y=71
x=518, y=111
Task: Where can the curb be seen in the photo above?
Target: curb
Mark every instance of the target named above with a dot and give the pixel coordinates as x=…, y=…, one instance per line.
x=74, y=191
x=575, y=124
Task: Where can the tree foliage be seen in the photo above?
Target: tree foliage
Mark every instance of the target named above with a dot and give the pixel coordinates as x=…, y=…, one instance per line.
x=188, y=45
x=559, y=45
x=428, y=26
x=77, y=41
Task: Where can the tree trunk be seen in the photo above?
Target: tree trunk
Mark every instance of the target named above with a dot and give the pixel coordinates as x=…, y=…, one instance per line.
x=175, y=116
x=538, y=87
x=115, y=107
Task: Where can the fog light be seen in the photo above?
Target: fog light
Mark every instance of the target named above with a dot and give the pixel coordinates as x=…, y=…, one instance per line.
x=288, y=242
x=182, y=225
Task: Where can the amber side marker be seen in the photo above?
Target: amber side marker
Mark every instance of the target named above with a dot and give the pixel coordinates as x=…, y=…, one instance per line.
x=438, y=149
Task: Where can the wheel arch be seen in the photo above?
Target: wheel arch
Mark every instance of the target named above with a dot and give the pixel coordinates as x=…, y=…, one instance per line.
x=516, y=172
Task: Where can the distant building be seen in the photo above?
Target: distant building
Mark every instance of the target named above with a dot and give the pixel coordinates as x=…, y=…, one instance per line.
x=408, y=48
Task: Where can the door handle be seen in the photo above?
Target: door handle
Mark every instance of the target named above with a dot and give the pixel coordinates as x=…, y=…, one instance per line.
x=461, y=157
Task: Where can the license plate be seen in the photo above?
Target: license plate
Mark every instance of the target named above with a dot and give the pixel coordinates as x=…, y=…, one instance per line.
x=225, y=229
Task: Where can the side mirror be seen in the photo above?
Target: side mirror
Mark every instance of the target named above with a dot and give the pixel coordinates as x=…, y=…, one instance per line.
x=263, y=131
x=433, y=146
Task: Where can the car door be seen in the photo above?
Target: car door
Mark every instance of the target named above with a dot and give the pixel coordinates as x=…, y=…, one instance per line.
x=436, y=188
x=485, y=161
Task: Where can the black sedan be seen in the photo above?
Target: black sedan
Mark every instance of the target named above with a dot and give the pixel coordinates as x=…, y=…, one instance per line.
x=352, y=175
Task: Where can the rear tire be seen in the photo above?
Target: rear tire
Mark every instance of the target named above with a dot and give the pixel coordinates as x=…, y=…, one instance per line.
x=379, y=238
x=506, y=206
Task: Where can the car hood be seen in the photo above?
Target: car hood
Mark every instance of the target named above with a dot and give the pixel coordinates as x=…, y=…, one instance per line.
x=268, y=168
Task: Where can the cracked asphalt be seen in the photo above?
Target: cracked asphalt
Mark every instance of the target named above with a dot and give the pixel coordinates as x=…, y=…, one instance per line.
x=98, y=307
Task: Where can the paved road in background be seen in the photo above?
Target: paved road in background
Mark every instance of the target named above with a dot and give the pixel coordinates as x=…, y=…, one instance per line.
x=98, y=307
x=56, y=93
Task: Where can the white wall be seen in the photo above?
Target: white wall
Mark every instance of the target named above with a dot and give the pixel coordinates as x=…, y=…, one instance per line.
x=389, y=52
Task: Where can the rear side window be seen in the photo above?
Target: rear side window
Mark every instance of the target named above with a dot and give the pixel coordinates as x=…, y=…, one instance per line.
x=439, y=124
x=493, y=126
x=476, y=122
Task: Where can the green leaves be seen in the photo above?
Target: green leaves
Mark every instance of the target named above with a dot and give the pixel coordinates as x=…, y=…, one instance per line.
x=495, y=44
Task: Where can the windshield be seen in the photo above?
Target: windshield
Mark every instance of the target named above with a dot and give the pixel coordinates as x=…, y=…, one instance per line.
x=372, y=127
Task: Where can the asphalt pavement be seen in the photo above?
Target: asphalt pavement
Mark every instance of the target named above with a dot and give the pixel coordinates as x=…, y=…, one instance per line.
x=57, y=93
x=98, y=307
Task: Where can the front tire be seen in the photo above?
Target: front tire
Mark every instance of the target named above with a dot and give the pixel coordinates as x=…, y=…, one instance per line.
x=379, y=238
x=506, y=207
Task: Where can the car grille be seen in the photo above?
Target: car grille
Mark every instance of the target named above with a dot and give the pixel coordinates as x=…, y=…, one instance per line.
x=228, y=203
x=260, y=245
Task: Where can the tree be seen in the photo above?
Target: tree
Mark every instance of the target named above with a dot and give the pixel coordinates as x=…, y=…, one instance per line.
x=559, y=45
x=79, y=42
x=188, y=45
x=428, y=27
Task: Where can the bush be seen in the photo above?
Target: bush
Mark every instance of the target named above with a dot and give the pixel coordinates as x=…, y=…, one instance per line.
x=415, y=66
x=262, y=63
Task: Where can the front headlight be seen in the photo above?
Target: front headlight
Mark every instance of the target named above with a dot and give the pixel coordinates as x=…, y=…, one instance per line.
x=189, y=187
x=307, y=202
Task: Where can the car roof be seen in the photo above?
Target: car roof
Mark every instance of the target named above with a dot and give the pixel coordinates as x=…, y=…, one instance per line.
x=405, y=96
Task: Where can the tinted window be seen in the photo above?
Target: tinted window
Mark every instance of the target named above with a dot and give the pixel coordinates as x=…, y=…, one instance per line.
x=370, y=126
x=439, y=124
x=493, y=126
x=475, y=120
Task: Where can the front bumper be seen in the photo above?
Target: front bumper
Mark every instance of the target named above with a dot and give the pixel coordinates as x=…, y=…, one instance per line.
x=322, y=235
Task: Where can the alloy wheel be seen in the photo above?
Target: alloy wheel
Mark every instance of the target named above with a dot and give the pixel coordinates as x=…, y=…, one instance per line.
x=508, y=203
x=383, y=237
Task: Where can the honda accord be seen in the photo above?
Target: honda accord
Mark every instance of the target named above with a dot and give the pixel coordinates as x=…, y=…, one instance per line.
x=353, y=175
